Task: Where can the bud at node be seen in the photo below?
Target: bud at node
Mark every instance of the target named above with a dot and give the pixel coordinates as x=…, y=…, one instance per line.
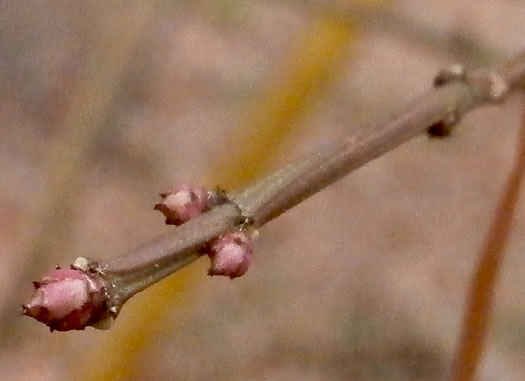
x=183, y=203
x=231, y=255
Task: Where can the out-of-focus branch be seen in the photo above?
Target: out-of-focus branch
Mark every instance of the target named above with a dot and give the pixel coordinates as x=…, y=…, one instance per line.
x=389, y=21
x=457, y=94
x=483, y=283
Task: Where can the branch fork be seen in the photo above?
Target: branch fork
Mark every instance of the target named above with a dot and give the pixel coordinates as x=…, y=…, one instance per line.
x=491, y=85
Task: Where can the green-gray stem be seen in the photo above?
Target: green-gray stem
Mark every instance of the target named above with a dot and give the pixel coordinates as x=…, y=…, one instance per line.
x=287, y=187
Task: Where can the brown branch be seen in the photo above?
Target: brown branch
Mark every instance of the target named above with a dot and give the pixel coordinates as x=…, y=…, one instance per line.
x=483, y=283
x=290, y=185
x=287, y=187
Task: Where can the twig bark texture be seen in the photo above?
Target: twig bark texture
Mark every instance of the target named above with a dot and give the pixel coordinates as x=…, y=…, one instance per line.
x=458, y=93
x=287, y=187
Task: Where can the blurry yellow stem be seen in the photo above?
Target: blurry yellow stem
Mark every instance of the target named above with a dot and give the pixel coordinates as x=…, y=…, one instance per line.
x=275, y=113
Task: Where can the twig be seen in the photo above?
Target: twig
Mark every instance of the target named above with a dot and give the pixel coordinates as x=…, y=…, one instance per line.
x=287, y=187
x=274, y=115
x=483, y=283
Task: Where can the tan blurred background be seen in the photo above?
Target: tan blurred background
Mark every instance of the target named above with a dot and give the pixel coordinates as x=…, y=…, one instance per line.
x=105, y=103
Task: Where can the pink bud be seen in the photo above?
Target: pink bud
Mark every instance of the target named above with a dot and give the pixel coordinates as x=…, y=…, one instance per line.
x=183, y=203
x=231, y=255
x=67, y=299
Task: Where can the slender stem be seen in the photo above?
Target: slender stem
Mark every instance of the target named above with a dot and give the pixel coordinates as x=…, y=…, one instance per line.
x=287, y=187
x=483, y=283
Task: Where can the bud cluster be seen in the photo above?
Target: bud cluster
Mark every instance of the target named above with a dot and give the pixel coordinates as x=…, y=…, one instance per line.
x=231, y=254
x=75, y=298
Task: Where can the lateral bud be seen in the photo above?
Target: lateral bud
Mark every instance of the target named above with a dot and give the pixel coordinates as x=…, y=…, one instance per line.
x=182, y=203
x=231, y=254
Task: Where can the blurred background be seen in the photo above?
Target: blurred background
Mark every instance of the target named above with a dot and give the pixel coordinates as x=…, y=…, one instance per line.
x=105, y=104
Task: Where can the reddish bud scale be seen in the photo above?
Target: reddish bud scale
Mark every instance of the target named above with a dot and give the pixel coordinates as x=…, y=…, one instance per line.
x=231, y=255
x=67, y=299
x=183, y=203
